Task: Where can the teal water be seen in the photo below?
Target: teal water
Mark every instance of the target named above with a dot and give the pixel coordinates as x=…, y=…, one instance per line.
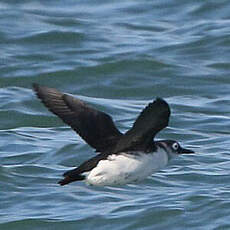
x=117, y=56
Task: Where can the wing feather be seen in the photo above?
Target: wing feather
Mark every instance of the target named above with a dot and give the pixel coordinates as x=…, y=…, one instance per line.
x=95, y=127
x=151, y=120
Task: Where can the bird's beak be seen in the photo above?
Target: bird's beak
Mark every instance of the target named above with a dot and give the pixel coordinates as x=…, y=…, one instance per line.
x=185, y=151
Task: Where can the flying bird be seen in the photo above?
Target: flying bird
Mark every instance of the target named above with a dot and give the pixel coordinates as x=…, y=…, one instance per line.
x=120, y=158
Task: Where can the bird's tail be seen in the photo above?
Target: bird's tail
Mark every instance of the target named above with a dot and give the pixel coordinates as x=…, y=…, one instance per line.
x=77, y=173
x=69, y=179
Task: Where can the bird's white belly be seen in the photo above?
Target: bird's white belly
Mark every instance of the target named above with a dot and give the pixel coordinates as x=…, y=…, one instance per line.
x=126, y=168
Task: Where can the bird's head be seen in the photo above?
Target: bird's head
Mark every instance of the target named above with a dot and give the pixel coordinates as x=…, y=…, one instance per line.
x=173, y=148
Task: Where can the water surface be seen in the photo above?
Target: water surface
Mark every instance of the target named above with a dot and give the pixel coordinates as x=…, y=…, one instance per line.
x=118, y=56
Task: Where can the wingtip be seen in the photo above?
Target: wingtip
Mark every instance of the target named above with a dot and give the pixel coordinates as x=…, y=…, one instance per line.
x=35, y=86
x=38, y=87
x=161, y=100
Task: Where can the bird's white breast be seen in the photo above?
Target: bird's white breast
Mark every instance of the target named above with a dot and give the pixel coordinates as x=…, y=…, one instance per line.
x=125, y=168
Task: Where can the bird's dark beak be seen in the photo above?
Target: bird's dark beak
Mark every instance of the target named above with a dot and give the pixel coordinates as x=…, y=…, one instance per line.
x=185, y=151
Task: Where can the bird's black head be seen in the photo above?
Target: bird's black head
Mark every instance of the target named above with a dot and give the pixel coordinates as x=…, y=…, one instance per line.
x=172, y=147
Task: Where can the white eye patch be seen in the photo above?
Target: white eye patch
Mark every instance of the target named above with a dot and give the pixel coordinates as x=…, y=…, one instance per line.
x=175, y=146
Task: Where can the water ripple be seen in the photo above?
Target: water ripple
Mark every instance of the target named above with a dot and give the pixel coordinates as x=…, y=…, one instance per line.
x=117, y=57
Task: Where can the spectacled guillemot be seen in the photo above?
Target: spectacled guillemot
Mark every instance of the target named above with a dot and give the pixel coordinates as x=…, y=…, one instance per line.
x=123, y=158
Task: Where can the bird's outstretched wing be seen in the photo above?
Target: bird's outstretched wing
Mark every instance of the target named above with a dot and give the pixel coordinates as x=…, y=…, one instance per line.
x=152, y=119
x=95, y=127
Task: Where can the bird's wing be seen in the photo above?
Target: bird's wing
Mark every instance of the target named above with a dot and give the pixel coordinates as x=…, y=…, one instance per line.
x=95, y=127
x=152, y=119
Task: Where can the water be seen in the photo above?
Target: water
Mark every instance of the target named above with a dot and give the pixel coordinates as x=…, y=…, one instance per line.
x=118, y=56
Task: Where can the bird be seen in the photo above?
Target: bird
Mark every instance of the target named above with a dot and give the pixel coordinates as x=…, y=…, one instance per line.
x=120, y=158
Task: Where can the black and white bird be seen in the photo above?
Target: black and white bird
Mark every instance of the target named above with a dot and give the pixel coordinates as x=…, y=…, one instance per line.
x=122, y=158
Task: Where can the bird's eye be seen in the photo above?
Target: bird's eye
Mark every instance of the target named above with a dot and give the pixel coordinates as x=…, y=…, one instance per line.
x=175, y=146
